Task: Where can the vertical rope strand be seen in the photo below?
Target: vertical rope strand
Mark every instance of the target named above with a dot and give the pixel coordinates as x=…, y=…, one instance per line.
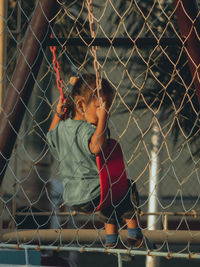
x=94, y=48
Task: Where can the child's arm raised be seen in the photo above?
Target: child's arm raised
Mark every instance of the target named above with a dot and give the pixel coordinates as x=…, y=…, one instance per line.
x=58, y=115
x=98, y=140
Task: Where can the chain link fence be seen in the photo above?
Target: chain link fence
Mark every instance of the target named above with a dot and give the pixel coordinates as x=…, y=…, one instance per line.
x=149, y=52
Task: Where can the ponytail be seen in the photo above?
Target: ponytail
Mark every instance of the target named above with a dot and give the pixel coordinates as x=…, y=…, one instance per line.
x=81, y=86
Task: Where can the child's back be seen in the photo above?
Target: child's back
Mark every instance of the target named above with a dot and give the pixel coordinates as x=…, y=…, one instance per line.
x=78, y=169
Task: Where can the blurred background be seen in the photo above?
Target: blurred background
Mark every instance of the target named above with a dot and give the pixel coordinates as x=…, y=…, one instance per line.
x=154, y=115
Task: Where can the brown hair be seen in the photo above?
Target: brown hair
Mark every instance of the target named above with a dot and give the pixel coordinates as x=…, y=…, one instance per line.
x=85, y=86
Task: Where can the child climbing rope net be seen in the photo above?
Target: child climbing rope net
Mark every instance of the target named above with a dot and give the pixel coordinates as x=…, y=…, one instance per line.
x=78, y=140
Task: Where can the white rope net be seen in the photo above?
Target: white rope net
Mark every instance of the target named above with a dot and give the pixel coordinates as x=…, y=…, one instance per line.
x=154, y=116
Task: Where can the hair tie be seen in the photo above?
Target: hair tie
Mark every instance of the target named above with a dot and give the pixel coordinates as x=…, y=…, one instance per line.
x=73, y=80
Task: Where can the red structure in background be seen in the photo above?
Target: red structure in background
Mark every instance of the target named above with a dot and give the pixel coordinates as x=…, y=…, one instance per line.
x=189, y=22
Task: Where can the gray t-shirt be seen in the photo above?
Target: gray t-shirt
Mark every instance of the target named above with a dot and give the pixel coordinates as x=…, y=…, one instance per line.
x=78, y=169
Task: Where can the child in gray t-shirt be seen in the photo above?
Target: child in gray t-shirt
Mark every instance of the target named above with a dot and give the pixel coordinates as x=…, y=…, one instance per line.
x=77, y=140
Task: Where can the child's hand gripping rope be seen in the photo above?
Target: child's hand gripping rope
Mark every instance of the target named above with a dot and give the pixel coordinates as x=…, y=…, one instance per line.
x=60, y=114
x=61, y=109
x=98, y=140
x=101, y=109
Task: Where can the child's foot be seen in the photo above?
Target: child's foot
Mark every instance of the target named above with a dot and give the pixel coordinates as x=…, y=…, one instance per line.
x=111, y=240
x=135, y=238
x=140, y=243
x=135, y=243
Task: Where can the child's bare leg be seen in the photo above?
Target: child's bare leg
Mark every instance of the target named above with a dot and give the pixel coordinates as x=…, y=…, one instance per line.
x=131, y=223
x=111, y=234
x=110, y=228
